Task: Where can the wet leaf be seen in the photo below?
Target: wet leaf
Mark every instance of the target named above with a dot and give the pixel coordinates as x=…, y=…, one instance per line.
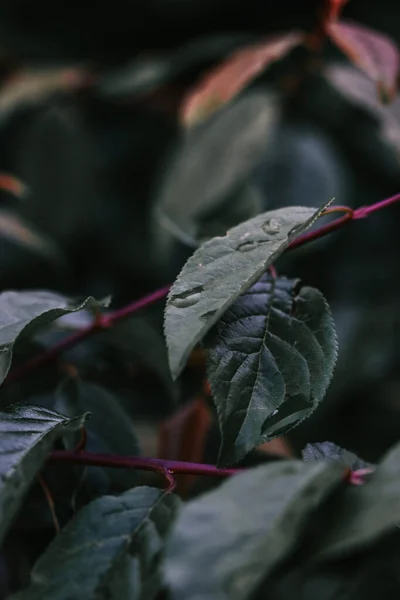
x=271, y=358
x=227, y=80
x=222, y=269
x=27, y=434
x=373, y=52
x=110, y=551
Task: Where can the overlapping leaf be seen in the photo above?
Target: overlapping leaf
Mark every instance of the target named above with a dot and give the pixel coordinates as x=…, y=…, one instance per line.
x=210, y=164
x=271, y=358
x=27, y=434
x=373, y=52
x=222, y=269
x=228, y=540
x=110, y=551
x=358, y=88
x=23, y=312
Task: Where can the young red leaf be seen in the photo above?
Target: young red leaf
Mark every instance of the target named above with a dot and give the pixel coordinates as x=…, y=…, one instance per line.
x=374, y=53
x=223, y=83
x=334, y=8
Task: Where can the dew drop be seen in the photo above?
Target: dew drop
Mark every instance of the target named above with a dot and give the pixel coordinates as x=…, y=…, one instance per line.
x=271, y=226
x=250, y=245
x=188, y=298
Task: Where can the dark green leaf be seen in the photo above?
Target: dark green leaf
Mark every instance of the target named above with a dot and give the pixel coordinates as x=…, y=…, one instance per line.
x=363, y=514
x=23, y=312
x=333, y=453
x=109, y=430
x=27, y=434
x=222, y=269
x=271, y=359
x=211, y=162
x=110, y=551
x=228, y=540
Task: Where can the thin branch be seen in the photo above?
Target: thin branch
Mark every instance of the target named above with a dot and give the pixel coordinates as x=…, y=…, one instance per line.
x=158, y=465
x=105, y=321
x=99, y=324
x=169, y=468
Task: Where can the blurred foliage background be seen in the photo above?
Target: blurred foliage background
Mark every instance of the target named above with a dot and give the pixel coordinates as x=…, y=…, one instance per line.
x=117, y=193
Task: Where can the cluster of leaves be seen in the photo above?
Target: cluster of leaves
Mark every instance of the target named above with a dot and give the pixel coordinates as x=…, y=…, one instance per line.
x=247, y=355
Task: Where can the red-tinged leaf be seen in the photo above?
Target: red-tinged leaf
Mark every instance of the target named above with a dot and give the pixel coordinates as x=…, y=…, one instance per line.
x=374, y=53
x=28, y=87
x=334, y=8
x=182, y=437
x=223, y=83
x=11, y=184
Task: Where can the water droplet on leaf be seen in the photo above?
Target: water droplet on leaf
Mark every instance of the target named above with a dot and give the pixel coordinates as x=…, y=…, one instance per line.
x=271, y=226
x=188, y=298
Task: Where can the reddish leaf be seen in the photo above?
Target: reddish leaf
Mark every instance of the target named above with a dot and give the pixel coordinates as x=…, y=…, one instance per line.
x=374, y=53
x=223, y=83
x=13, y=185
x=335, y=8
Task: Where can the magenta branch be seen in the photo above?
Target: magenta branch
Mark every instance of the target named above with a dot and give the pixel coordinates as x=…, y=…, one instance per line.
x=110, y=319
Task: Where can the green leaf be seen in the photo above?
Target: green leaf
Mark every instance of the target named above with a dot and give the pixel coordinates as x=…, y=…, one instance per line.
x=271, y=358
x=209, y=164
x=109, y=430
x=110, y=551
x=222, y=269
x=227, y=541
x=363, y=514
x=27, y=434
x=331, y=452
x=21, y=313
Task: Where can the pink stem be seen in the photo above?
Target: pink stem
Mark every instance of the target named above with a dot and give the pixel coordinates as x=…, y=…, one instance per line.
x=158, y=465
x=122, y=313
x=98, y=325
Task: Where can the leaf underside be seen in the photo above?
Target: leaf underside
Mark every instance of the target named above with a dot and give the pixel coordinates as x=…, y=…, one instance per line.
x=222, y=269
x=271, y=358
